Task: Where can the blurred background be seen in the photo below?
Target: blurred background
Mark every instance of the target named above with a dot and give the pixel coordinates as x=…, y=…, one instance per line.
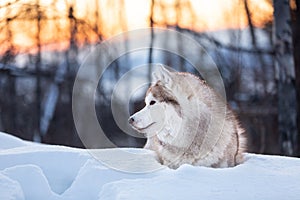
x=255, y=44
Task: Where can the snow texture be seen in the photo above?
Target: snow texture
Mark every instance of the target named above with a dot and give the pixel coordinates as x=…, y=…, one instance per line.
x=34, y=171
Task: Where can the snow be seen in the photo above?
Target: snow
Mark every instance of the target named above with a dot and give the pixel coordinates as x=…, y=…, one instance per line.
x=35, y=171
x=10, y=189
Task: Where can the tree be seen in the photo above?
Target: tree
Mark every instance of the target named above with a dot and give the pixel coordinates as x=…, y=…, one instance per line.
x=296, y=42
x=285, y=77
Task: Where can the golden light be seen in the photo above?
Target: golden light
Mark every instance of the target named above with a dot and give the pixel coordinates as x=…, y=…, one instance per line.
x=137, y=18
x=121, y=15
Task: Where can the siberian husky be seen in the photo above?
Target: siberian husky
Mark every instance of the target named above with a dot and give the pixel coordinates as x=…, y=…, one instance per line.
x=186, y=122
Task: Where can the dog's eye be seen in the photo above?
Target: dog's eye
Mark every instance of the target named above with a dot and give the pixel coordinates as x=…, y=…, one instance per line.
x=152, y=102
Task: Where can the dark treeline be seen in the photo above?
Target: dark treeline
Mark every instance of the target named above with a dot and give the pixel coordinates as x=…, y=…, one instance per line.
x=36, y=83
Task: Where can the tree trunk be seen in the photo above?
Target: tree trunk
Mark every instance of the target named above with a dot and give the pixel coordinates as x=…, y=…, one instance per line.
x=285, y=77
x=296, y=41
x=150, y=59
x=37, y=135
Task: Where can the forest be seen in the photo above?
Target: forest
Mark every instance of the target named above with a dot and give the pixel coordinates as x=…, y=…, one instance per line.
x=43, y=45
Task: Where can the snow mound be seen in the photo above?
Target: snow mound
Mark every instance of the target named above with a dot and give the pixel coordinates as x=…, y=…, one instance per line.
x=8, y=141
x=262, y=177
x=34, y=171
x=10, y=189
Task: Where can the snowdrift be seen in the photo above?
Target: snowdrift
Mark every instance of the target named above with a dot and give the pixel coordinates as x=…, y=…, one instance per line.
x=35, y=171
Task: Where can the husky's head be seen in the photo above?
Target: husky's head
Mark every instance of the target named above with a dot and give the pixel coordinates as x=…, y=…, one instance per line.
x=162, y=114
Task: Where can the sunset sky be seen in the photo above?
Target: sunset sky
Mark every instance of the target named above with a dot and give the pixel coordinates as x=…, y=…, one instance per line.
x=116, y=16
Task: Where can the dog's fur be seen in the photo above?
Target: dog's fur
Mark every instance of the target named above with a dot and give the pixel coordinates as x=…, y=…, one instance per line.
x=186, y=122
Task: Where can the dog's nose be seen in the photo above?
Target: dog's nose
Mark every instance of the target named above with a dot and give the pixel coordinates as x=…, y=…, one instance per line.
x=131, y=120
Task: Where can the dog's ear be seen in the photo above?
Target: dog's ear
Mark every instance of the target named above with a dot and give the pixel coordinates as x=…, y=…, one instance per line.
x=163, y=75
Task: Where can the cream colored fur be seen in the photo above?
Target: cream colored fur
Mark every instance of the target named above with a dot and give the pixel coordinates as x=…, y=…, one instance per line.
x=186, y=122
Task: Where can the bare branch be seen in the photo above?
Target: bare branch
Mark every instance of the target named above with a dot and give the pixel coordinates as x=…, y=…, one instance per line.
x=219, y=44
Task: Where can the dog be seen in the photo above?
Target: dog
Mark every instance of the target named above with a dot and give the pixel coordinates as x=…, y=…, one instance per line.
x=186, y=122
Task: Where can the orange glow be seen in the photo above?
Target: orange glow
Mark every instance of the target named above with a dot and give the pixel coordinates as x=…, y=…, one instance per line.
x=116, y=16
